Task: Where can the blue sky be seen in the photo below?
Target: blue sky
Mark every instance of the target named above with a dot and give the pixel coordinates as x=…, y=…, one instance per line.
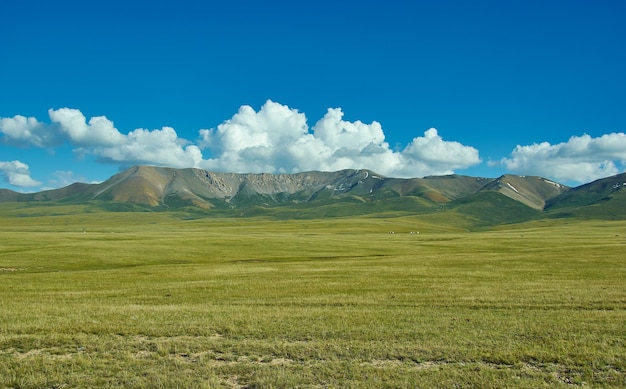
x=405, y=88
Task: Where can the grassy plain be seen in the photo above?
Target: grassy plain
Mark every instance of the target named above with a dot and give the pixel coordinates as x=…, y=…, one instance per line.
x=151, y=300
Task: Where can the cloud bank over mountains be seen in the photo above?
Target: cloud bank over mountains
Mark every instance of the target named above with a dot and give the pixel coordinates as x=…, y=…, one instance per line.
x=580, y=159
x=278, y=139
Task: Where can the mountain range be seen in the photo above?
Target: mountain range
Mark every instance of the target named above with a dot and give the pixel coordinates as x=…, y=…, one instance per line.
x=509, y=198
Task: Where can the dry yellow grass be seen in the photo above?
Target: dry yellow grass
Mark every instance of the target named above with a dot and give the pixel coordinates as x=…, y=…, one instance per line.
x=146, y=300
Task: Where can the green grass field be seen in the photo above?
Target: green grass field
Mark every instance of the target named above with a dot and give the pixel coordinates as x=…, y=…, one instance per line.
x=151, y=300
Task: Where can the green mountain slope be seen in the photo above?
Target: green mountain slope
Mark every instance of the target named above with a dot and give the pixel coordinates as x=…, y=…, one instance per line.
x=490, y=207
x=600, y=199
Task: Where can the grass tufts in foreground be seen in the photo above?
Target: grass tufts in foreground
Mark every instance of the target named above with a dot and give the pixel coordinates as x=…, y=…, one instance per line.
x=146, y=300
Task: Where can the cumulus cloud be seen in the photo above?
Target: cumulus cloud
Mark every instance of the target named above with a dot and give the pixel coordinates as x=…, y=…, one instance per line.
x=338, y=144
x=98, y=132
x=580, y=159
x=254, y=141
x=337, y=133
x=22, y=131
x=441, y=156
x=277, y=139
x=68, y=125
x=158, y=147
x=17, y=173
x=100, y=138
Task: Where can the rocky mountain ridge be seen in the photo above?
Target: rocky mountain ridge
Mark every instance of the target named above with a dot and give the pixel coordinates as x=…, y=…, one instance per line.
x=159, y=186
x=476, y=201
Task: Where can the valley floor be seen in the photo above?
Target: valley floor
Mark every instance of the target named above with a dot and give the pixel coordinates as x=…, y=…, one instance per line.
x=148, y=300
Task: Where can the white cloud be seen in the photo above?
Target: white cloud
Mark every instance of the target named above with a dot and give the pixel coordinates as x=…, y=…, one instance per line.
x=100, y=138
x=67, y=125
x=431, y=152
x=580, y=159
x=22, y=131
x=98, y=132
x=158, y=147
x=17, y=174
x=337, y=133
x=338, y=144
x=277, y=139
x=255, y=141
x=271, y=126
